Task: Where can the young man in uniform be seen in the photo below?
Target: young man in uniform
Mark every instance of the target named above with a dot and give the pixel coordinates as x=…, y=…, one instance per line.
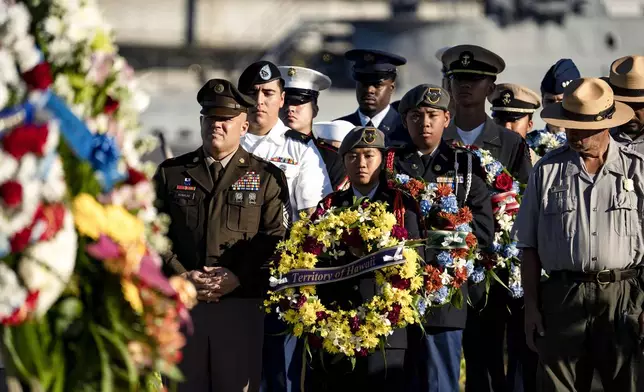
x=375, y=74
x=308, y=183
x=580, y=220
x=434, y=356
x=472, y=71
x=332, y=132
x=229, y=209
x=627, y=81
x=512, y=107
x=302, y=88
x=553, y=84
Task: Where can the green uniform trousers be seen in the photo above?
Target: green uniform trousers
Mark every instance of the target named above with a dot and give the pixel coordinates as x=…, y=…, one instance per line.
x=590, y=326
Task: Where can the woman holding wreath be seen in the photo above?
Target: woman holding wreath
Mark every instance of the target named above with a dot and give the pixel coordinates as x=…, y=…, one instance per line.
x=363, y=154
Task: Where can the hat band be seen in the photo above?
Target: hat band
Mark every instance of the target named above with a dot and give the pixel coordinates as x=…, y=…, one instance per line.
x=222, y=104
x=373, y=76
x=627, y=92
x=514, y=103
x=513, y=110
x=604, y=114
x=301, y=92
x=471, y=71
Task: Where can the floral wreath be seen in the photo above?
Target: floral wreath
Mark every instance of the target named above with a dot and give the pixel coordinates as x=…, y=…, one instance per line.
x=543, y=141
x=333, y=233
x=505, y=193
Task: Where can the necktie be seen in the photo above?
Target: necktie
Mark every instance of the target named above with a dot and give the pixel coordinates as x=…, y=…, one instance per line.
x=427, y=160
x=215, y=172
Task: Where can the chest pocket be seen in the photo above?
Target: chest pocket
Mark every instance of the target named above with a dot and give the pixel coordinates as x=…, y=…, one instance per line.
x=623, y=214
x=188, y=206
x=244, y=210
x=561, y=214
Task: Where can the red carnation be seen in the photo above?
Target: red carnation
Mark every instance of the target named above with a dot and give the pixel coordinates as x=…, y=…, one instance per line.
x=11, y=193
x=20, y=240
x=314, y=341
x=300, y=301
x=135, y=176
x=38, y=78
x=354, y=324
x=432, y=279
x=400, y=283
x=363, y=352
x=317, y=214
x=399, y=232
x=24, y=139
x=352, y=238
x=394, y=314
x=503, y=182
x=111, y=106
x=19, y=315
x=311, y=245
x=488, y=260
x=319, y=316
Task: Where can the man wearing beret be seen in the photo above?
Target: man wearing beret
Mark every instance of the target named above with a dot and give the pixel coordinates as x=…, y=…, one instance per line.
x=308, y=183
x=229, y=211
x=302, y=88
x=627, y=81
x=472, y=71
x=513, y=106
x=553, y=84
x=434, y=356
x=375, y=74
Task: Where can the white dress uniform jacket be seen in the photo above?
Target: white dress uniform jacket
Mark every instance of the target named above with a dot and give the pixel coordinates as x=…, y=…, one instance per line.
x=308, y=180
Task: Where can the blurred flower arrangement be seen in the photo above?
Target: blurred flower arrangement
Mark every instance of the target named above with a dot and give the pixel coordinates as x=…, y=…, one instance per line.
x=505, y=193
x=542, y=141
x=334, y=237
x=83, y=302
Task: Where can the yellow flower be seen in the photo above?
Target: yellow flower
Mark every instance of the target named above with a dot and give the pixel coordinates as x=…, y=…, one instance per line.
x=89, y=216
x=131, y=294
x=186, y=291
x=123, y=227
x=298, y=329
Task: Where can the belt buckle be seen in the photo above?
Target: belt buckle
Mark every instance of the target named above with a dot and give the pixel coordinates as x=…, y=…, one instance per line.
x=599, y=274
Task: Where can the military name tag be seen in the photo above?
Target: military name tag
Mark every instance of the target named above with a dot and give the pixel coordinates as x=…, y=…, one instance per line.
x=451, y=179
x=184, y=195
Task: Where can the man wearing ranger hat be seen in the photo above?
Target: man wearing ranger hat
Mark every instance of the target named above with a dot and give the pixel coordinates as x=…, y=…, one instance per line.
x=627, y=81
x=580, y=220
x=434, y=355
x=512, y=107
x=375, y=74
x=229, y=211
x=302, y=87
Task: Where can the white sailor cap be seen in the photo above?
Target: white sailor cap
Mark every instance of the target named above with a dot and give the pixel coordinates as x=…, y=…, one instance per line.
x=332, y=130
x=303, y=84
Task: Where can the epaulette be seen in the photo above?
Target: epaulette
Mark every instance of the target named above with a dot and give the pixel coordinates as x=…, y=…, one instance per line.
x=295, y=135
x=321, y=144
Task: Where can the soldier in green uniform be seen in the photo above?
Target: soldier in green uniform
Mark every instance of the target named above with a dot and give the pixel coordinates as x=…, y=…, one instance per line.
x=581, y=221
x=229, y=209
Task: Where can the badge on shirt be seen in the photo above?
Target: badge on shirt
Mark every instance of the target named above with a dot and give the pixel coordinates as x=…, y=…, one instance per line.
x=186, y=188
x=289, y=161
x=184, y=195
x=449, y=179
x=247, y=182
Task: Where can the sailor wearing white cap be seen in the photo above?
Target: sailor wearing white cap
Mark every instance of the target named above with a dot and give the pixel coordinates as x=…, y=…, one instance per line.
x=302, y=87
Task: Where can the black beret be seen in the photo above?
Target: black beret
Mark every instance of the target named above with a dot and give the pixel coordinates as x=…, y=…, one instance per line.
x=373, y=65
x=559, y=76
x=260, y=72
x=219, y=97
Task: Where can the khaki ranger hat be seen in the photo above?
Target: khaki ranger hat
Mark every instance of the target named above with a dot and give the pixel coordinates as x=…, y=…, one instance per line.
x=472, y=59
x=627, y=79
x=513, y=101
x=588, y=103
x=428, y=95
x=362, y=137
x=219, y=97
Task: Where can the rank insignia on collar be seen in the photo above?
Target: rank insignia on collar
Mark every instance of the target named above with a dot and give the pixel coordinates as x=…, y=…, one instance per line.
x=248, y=182
x=433, y=95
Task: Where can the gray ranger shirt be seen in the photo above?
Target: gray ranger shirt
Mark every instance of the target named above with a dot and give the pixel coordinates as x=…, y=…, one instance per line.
x=579, y=222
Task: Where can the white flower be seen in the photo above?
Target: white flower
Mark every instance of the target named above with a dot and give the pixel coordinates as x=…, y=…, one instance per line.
x=12, y=294
x=629, y=186
x=451, y=239
x=446, y=278
x=4, y=95
x=8, y=71
x=54, y=26
x=54, y=186
x=27, y=54
x=47, y=266
x=63, y=87
x=506, y=222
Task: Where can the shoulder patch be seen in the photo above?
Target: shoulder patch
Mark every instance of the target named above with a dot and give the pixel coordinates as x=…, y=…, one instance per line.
x=295, y=135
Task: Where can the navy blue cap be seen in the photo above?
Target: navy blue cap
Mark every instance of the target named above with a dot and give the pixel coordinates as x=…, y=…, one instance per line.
x=374, y=65
x=559, y=76
x=260, y=72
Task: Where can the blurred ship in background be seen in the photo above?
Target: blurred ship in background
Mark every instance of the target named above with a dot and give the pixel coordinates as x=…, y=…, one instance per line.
x=176, y=45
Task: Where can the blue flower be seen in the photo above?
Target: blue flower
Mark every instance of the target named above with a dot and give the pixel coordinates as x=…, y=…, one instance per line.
x=495, y=168
x=422, y=306
x=561, y=137
x=510, y=251
x=449, y=204
x=440, y=295
x=516, y=291
x=402, y=178
x=478, y=274
x=464, y=227
x=478, y=153
x=470, y=267
x=515, y=187
x=444, y=258
x=425, y=206
x=495, y=247
x=432, y=186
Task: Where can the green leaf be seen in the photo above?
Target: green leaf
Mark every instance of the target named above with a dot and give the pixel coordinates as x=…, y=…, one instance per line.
x=107, y=377
x=337, y=358
x=13, y=360
x=170, y=371
x=353, y=363
x=496, y=277
x=381, y=345
x=132, y=374
x=35, y=350
x=457, y=299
